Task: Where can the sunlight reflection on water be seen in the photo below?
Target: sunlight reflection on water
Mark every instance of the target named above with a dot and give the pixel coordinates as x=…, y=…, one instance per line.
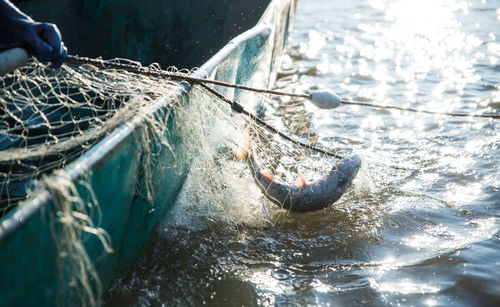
x=421, y=225
x=434, y=55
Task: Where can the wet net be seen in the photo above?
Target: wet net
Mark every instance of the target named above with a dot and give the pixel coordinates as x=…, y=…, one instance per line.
x=48, y=118
x=221, y=186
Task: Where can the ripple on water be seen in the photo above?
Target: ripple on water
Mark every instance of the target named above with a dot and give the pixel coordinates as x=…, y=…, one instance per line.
x=420, y=224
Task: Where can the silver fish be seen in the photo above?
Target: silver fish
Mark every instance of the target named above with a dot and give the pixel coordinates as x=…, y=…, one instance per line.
x=304, y=197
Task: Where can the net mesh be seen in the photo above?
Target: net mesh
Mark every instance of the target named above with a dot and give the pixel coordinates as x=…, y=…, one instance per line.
x=49, y=118
x=233, y=196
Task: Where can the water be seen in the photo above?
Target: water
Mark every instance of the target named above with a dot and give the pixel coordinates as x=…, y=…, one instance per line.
x=420, y=226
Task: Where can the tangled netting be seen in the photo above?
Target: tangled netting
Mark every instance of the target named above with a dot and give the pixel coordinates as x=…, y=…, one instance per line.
x=49, y=118
x=218, y=172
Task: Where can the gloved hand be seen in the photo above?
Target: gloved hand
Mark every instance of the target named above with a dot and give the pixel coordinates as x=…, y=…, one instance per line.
x=43, y=40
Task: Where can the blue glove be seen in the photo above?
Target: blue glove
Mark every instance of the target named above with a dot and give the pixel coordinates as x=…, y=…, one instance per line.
x=43, y=40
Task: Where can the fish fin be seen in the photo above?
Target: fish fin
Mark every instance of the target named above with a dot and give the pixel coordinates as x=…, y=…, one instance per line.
x=242, y=153
x=267, y=175
x=300, y=181
x=248, y=143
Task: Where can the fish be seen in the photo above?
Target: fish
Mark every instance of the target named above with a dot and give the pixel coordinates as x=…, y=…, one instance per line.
x=303, y=196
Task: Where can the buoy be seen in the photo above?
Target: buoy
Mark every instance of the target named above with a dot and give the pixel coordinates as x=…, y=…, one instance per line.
x=325, y=100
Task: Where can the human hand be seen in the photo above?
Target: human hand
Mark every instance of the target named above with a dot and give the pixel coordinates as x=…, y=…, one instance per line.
x=45, y=43
x=43, y=40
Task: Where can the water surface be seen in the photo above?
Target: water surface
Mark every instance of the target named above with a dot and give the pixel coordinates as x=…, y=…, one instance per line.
x=420, y=226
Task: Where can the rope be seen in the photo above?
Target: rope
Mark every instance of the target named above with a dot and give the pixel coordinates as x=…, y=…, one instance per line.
x=72, y=59
x=239, y=109
x=364, y=104
x=180, y=76
x=76, y=60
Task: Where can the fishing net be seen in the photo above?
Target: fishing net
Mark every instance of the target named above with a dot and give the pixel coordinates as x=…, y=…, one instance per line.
x=234, y=197
x=48, y=118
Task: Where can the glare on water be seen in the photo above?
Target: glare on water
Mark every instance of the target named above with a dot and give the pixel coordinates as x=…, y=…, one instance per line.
x=421, y=224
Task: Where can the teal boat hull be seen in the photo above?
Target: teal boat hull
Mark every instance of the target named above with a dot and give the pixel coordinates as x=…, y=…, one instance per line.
x=114, y=170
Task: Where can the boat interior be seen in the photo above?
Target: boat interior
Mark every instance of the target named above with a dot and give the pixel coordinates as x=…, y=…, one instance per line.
x=183, y=33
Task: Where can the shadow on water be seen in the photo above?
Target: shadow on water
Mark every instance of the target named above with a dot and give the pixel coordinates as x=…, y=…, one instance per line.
x=223, y=264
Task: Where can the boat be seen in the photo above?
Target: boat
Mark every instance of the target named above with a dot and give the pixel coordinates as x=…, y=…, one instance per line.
x=236, y=41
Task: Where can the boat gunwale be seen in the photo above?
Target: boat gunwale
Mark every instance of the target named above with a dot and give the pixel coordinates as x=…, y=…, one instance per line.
x=88, y=160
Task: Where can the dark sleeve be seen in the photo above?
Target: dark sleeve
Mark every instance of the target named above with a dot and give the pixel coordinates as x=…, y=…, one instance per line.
x=43, y=40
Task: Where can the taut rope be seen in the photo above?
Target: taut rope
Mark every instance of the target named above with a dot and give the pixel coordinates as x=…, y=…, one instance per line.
x=185, y=77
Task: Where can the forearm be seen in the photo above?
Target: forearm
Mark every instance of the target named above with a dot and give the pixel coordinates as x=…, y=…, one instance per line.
x=43, y=40
x=10, y=11
x=12, y=23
